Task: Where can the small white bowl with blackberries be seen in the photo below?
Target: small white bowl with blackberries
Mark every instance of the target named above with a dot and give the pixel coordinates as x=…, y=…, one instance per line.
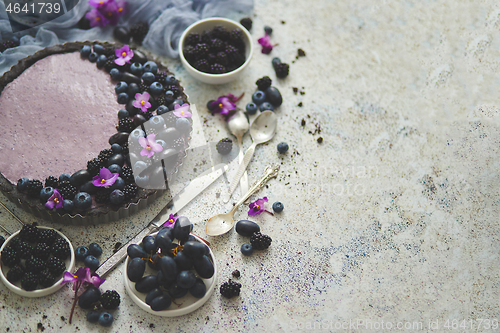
x=34, y=259
x=215, y=50
x=171, y=272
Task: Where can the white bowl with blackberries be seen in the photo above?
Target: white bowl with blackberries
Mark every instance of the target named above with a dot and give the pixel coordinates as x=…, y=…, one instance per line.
x=34, y=259
x=171, y=272
x=215, y=50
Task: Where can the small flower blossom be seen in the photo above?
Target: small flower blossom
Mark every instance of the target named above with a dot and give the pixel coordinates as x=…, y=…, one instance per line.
x=224, y=105
x=55, y=200
x=171, y=221
x=96, y=280
x=105, y=178
x=110, y=12
x=96, y=18
x=98, y=3
x=121, y=6
x=182, y=110
x=150, y=145
x=142, y=101
x=265, y=41
x=124, y=55
x=257, y=207
x=78, y=278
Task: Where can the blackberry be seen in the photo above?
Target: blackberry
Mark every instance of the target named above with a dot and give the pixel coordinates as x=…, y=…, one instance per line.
x=234, y=56
x=163, y=100
x=110, y=63
x=67, y=190
x=110, y=300
x=189, y=52
x=34, y=187
x=264, y=83
x=41, y=251
x=193, y=38
x=178, y=143
x=125, y=125
x=224, y=146
x=170, y=119
x=138, y=31
x=15, y=274
x=230, y=289
x=60, y=249
x=125, y=148
x=212, y=58
x=127, y=174
x=247, y=23
x=130, y=191
x=217, y=69
x=2, y=240
x=29, y=233
x=201, y=51
x=105, y=154
x=260, y=241
x=46, y=278
x=24, y=250
x=202, y=65
x=148, y=115
x=35, y=265
x=56, y=266
x=94, y=166
x=160, y=77
x=47, y=236
x=8, y=44
x=217, y=45
x=102, y=196
x=52, y=181
x=236, y=37
x=29, y=281
x=281, y=70
x=109, y=51
x=175, y=88
x=10, y=257
x=220, y=32
x=206, y=36
x=144, y=87
x=222, y=58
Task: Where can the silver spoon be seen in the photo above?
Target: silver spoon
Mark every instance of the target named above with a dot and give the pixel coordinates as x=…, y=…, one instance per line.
x=262, y=130
x=222, y=223
x=238, y=126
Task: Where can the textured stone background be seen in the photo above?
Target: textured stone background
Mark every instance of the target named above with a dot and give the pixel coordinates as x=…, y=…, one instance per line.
x=393, y=218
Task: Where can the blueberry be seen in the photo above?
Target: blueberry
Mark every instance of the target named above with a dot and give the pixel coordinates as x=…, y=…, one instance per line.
x=150, y=66
x=95, y=250
x=266, y=106
x=91, y=262
x=85, y=51
x=282, y=147
x=117, y=197
x=89, y=297
x=136, y=69
x=115, y=74
x=116, y=148
x=99, y=49
x=68, y=205
x=251, y=108
x=162, y=143
x=81, y=253
x=93, y=316
x=169, y=94
x=209, y=105
x=247, y=249
x=82, y=201
x=278, y=207
x=22, y=184
x=123, y=113
x=183, y=125
x=170, y=79
x=259, y=97
x=46, y=193
x=133, y=89
x=162, y=109
x=105, y=319
x=115, y=168
x=139, y=167
x=119, y=184
x=64, y=176
x=174, y=103
x=148, y=78
x=142, y=181
x=93, y=57
x=268, y=30
x=137, y=133
x=156, y=88
x=122, y=98
x=157, y=122
x=121, y=87
x=276, y=61
x=101, y=61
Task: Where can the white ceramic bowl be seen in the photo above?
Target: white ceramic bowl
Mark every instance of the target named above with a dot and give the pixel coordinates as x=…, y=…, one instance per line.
x=207, y=24
x=183, y=305
x=70, y=265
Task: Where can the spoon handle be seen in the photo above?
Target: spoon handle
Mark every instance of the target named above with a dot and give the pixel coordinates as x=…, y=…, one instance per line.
x=271, y=171
x=244, y=178
x=241, y=170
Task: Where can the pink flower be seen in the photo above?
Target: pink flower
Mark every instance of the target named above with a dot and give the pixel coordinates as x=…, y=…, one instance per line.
x=182, y=111
x=124, y=55
x=110, y=12
x=150, y=145
x=55, y=200
x=96, y=18
x=225, y=104
x=105, y=178
x=257, y=206
x=141, y=101
x=265, y=41
x=98, y=3
x=81, y=275
x=96, y=280
x=171, y=221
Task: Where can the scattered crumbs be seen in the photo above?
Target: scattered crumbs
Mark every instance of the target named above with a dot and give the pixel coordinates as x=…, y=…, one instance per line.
x=293, y=61
x=283, y=22
x=308, y=116
x=195, y=169
x=320, y=139
x=300, y=104
x=236, y=273
x=130, y=326
x=303, y=122
x=151, y=325
x=295, y=90
x=217, y=195
x=118, y=245
x=44, y=317
x=40, y=327
x=302, y=93
x=299, y=252
x=301, y=53
x=227, y=264
x=63, y=318
x=207, y=319
x=8, y=329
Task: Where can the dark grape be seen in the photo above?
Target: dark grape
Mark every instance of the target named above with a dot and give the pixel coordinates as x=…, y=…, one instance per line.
x=176, y=291
x=186, y=279
x=136, y=251
x=146, y=284
x=199, y=289
x=246, y=228
x=149, y=244
x=153, y=294
x=135, y=269
x=194, y=250
x=153, y=263
x=168, y=268
x=161, y=303
x=182, y=228
x=163, y=240
x=183, y=262
x=204, y=267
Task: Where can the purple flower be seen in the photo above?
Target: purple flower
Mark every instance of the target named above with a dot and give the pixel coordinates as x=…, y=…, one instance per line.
x=121, y=6
x=98, y=3
x=182, y=110
x=96, y=280
x=124, y=55
x=171, y=221
x=78, y=278
x=55, y=200
x=257, y=206
x=105, y=178
x=223, y=105
x=150, y=145
x=141, y=101
x=96, y=18
x=265, y=41
x=110, y=12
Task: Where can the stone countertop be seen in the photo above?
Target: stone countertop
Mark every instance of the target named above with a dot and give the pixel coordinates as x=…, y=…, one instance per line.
x=390, y=222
